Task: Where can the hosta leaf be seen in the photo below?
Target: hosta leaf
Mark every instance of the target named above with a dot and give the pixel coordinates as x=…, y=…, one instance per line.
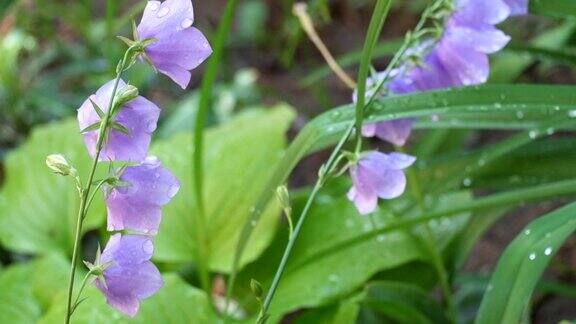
x=37, y=208
x=17, y=303
x=522, y=264
x=239, y=158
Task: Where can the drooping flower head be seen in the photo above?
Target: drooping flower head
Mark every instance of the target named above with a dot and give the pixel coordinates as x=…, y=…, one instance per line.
x=458, y=58
x=132, y=125
x=178, y=47
x=378, y=175
x=129, y=276
x=136, y=204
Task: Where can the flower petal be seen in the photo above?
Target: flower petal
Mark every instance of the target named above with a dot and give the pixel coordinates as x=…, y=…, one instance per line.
x=517, y=7
x=162, y=19
x=482, y=38
x=481, y=11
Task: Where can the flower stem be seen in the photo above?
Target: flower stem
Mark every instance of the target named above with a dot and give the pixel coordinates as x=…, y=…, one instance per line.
x=85, y=192
x=322, y=177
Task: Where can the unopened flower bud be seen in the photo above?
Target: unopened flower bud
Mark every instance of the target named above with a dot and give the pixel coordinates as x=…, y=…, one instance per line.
x=256, y=288
x=283, y=197
x=59, y=165
x=125, y=95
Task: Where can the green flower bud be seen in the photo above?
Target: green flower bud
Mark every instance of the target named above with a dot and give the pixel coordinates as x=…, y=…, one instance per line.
x=256, y=288
x=58, y=164
x=125, y=95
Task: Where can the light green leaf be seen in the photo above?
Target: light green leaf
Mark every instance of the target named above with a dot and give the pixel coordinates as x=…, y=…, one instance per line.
x=17, y=303
x=321, y=268
x=554, y=8
x=37, y=208
x=176, y=302
x=239, y=157
x=522, y=264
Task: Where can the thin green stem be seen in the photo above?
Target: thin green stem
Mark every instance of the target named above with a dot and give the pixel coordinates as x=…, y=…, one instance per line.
x=374, y=29
x=322, y=177
x=198, y=152
x=84, y=198
x=84, y=282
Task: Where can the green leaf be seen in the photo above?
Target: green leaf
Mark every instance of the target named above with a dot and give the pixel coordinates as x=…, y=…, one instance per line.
x=175, y=302
x=403, y=302
x=37, y=208
x=321, y=268
x=17, y=303
x=554, y=8
x=345, y=312
x=239, y=158
x=551, y=102
x=522, y=264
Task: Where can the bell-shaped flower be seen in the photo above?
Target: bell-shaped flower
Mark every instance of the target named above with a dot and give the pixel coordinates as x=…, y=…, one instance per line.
x=178, y=47
x=378, y=175
x=458, y=58
x=131, y=128
x=135, y=204
x=129, y=276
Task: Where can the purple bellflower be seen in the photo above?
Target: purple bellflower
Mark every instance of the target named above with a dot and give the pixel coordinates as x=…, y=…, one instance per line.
x=128, y=275
x=458, y=58
x=178, y=47
x=136, y=203
x=138, y=118
x=378, y=175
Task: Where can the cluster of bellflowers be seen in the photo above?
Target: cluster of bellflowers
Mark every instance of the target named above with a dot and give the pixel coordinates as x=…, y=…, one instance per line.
x=455, y=56
x=138, y=185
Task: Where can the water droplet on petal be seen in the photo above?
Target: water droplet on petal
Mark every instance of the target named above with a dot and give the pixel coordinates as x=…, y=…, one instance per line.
x=548, y=251
x=154, y=6
x=532, y=256
x=148, y=247
x=163, y=12
x=186, y=23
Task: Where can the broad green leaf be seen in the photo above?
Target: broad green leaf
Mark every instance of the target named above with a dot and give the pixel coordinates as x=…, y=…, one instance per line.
x=552, y=102
x=322, y=269
x=176, y=302
x=403, y=302
x=38, y=209
x=522, y=264
x=17, y=303
x=239, y=157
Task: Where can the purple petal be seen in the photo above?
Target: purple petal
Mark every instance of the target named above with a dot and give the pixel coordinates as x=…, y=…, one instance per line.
x=396, y=131
x=465, y=65
x=162, y=19
x=479, y=12
x=176, y=55
x=139, y=116
x=482, y=38
x=400, y=161
x=378, y=175
x=179, y=47
x=365, y=204
x=137, y=206
x=517, y=7
x=131, y=276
